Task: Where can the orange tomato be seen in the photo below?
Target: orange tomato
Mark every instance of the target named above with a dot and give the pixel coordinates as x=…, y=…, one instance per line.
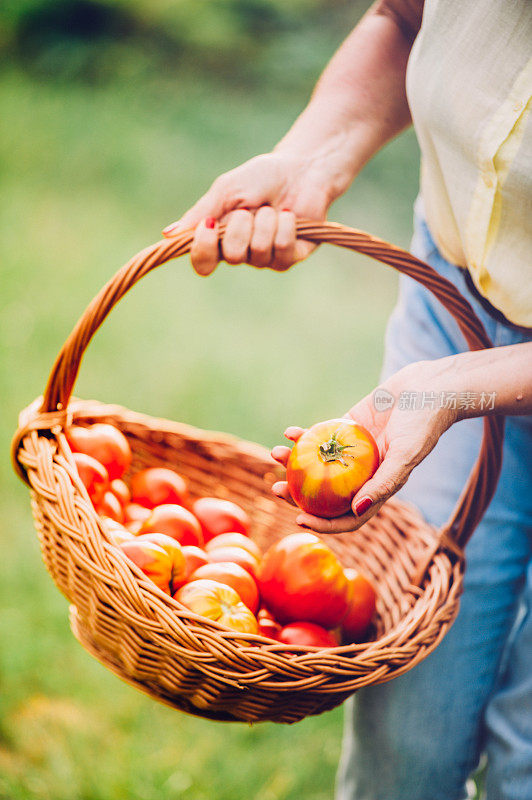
x=175, y=521
x=238, y=556
x=134, y=512
x=93, y=475
x=361, y=606
x=103, y=442
x=120, y=490
x=158, y=486
x=306, y=633
x=220, y=516
x=174, y=550
x=233, y=575
x=300, y=579
x=219, y=603
x=155, y=562
x=328, y=464
x=234, y=540
x=116, y=531
x=109, y=506
x=195, y=558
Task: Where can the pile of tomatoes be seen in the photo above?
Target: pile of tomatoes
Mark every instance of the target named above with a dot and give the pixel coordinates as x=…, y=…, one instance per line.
x=199, y=551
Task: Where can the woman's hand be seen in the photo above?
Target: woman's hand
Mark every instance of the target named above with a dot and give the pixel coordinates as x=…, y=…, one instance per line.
x=259, y=201
x=404, y=436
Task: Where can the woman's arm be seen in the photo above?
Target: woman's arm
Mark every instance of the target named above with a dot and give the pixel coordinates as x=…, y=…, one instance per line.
x=428, y=397
x=358, y=104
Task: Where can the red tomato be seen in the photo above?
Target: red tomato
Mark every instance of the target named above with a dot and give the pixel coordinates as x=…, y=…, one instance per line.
x=238, y=556
x=134, y=512
x=155, y=562
x=93, y=475
x=329, y=464
x=300, y=579
x=268, y=626
x=120, y=491
x=361, y=607
x=220, y=516
x=103, y=442
x=174, y=550
x=306, y=633
x=158, y=486
x=109, y=506
x=234, y=540
x=175, y=521
x=234, y=575
x=218, y=602
x=195, y=558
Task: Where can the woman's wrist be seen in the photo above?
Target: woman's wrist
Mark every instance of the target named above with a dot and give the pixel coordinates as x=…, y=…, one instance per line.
x=474, y=384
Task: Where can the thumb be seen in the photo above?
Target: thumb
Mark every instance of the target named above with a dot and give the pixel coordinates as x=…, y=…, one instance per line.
x=214, y=203
x=391, y=475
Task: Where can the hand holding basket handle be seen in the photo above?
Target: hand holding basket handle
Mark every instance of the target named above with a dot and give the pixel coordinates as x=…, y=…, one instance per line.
x=194, y=664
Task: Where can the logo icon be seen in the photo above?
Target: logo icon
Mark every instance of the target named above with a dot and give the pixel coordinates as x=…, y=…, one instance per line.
x=383, y=399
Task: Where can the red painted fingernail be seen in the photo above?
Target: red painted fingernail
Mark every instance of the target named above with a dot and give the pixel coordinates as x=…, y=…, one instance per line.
x=362, y=505
x=285, y=209
x=210, y=222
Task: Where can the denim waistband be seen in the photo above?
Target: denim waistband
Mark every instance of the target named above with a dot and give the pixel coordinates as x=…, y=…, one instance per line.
x=422, y=227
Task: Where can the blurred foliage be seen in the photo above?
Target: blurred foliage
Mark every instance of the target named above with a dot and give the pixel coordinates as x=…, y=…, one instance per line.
x=96, y=40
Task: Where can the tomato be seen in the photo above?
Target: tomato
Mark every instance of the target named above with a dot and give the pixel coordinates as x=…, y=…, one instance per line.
x=195, y=557
x=300, y=579
x=120, y=491
x=109, y=506
x=174, y=550
x=268, y=626
x=238, y=556
x=116, y=531
x=233, y=575
x=155, y=562
x=220, y=516
x=219, y=603
x=93, y=475
x=103, y=442
x=134, y=526
x=308, y=634
x=361, y=607
x=134, y=512
x=234, y=540
x=328, y=465
x=158, y=486
x=175, y=521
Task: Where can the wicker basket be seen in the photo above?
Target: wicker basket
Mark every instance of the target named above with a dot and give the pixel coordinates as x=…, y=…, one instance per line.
x=184, y=660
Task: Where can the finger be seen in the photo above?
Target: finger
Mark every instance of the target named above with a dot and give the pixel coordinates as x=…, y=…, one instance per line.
x=321, y=525
x=280, y=489
x=391, y=475
x=281, y=454
x=219, y=200
x=293, y=433
x=303, y=249
x=205, y=250
x=261, y=245
x=237, y=236
x=284, y=244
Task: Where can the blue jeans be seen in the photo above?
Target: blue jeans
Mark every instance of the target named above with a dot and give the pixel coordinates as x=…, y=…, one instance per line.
x=420, y=736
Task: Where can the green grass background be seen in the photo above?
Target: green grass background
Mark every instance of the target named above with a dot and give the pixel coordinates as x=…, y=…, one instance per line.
x=91, y=172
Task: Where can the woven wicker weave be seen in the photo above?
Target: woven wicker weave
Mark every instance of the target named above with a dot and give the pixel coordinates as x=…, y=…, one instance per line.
x=198, y=666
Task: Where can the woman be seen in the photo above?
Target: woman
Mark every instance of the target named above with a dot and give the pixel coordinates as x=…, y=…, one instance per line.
x=463, y=73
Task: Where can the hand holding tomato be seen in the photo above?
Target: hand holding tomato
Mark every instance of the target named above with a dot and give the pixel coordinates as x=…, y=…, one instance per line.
x=404, y=437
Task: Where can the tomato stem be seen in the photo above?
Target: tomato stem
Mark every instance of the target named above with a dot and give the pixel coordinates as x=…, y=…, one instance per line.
x=334, y=451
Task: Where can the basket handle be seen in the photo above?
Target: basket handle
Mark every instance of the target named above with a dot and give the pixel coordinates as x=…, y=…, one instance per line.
x=482, y=481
